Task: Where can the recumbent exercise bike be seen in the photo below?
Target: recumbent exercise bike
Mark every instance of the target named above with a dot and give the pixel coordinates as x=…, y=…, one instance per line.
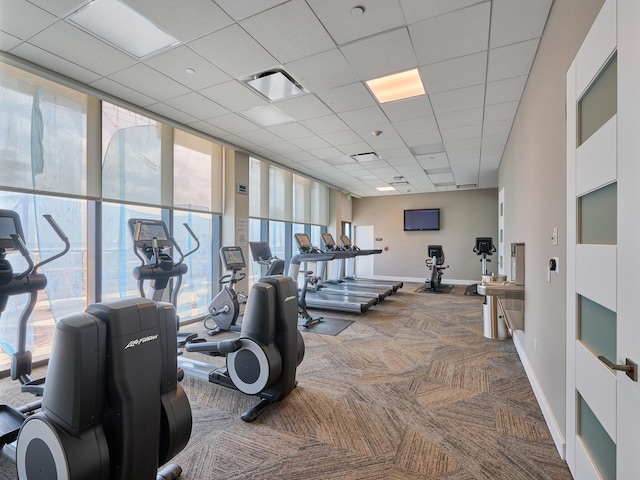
x=263, y=360
x=435, y=263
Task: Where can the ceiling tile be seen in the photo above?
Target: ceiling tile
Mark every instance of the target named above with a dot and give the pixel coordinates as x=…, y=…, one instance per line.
x=511, y=61
x=323, y=70
x=240, y=10
x=343, y=26
x=175, y=62
x=197, y=105
x=500, y=112
x=185, y=24
x=87, y=50
x=122, y=92
x=23, y=19
x=290, y=131
x=507, y=90
x=342, y=138
x=416, y=10
x=370, y=118
x=9, y=42
x=221, y=49
x=303, y=107
x=415, y=107
x=305, y=35
x=347, y=97
x=455, y=100
x=232, y=123
x=168, y=111
x=456, y=73
x=59, y=8
x=416, y=125
x=234, y=96
x=497, y=128
x=462, y=133
x=40, y=57
x=324, y=125
x=461, y=118
x=142, y=78
x=381, y=55
x=455, y=34
x=514, y=21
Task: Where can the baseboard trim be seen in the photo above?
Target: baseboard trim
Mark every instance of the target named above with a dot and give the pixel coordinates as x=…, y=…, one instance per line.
x=554, y=428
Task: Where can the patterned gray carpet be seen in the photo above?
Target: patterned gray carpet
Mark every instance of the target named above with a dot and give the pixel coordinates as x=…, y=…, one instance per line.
x=410, y=390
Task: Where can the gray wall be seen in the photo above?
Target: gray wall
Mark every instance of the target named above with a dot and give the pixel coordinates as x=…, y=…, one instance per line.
x=464, y=215
x=533, y=173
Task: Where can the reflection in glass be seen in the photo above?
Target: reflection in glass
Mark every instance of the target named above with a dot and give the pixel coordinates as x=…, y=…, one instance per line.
x=597, y=442
x=598, y=328
x=597, y=216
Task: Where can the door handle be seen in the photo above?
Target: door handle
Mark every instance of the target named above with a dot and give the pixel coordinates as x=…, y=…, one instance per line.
x=630, y=367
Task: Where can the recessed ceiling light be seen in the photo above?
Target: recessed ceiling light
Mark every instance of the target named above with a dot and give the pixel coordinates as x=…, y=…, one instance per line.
x=365, y=157
x=121, y=26
x=357, y=11
x=385, y=189
x=377, y=133
x=190, y=71
x=397, y=86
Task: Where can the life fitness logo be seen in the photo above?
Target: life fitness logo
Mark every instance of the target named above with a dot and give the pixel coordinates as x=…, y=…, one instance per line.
x=140, y=341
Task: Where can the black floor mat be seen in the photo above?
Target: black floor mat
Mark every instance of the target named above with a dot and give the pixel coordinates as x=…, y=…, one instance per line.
x=441, y=289
x=327, y=326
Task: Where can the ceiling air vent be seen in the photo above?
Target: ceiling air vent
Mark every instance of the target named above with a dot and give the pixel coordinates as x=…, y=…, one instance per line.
x=275, y=84
x=365, y=157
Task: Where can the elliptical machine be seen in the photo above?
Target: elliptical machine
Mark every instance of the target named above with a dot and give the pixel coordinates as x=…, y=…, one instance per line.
x=435, y=263
x=224, y=309
x=12, y=283
x=264, y=359
x=112, y=409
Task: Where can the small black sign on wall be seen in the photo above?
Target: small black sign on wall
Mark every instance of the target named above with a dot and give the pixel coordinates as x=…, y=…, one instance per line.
x=242, y=188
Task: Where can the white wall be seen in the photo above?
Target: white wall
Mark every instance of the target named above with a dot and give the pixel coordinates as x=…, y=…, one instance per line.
x=533, y=173
x=464, y=215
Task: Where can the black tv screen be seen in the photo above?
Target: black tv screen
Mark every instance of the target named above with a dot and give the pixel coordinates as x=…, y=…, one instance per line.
x=422, y=219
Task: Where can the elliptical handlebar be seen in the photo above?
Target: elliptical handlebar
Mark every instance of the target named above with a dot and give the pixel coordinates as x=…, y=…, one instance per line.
x=61, y=235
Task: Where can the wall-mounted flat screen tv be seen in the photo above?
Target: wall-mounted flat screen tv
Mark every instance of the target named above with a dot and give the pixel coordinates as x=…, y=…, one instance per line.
x=422, y=219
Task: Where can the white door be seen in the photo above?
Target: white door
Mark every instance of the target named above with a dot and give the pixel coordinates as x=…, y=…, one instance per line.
x=364, y=239
x=501, y=232
x=603, y=252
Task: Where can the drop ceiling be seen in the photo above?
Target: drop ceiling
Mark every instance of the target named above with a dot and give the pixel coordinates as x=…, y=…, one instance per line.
x=474, y=58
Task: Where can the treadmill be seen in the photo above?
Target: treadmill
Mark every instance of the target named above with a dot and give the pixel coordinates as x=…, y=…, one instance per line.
x=346, y=272
x=341, y=255
x=319, y=298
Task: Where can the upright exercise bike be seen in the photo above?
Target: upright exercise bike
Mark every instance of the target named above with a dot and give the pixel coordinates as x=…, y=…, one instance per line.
x=224, y=309
x=484, y=248
x=435, y=263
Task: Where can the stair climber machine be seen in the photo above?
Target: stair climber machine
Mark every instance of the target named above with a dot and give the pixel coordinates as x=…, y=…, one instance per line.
x=347, y=272
x=435, y=264
x=316, y=295
x=224, y=309
x=263, y=360
x=113, y=408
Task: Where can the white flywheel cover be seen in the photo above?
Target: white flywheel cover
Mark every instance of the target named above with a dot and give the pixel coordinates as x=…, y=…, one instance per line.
x=36, y=428
x=263, y=362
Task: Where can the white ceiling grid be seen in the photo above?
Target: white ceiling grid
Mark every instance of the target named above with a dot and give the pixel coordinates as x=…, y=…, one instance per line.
x=474, y=57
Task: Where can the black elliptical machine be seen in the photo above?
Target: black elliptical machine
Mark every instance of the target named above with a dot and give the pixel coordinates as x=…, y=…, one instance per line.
x=224, y=309
x=112, y=408
x=263, y=360
x=435, y=263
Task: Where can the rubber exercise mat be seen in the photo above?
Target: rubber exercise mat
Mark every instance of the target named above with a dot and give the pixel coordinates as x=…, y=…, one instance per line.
x=441, y=289
x=328, y=326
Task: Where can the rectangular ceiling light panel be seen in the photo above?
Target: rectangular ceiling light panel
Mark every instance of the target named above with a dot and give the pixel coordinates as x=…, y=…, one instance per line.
x=397, y=86
x=121, y=26
x=365, y=157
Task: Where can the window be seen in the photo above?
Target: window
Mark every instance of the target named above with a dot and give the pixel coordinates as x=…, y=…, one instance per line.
x=66, y=290
x=131, y=156
x=43, y=130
